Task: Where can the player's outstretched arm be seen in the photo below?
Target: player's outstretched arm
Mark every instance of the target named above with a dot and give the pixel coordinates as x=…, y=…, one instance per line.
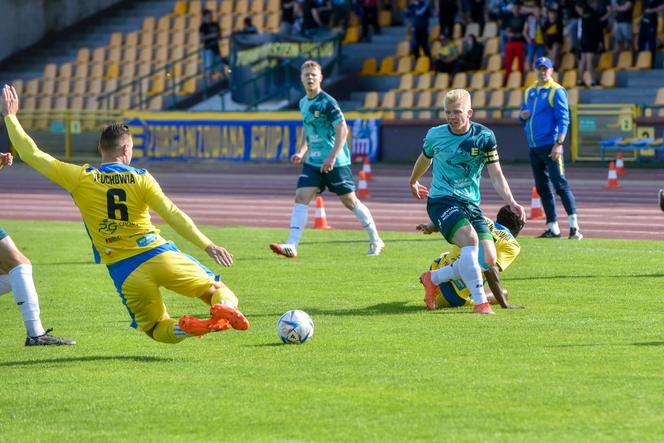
x=421, y=165
x=426, y=228
x=503, y=189
x=493, y=279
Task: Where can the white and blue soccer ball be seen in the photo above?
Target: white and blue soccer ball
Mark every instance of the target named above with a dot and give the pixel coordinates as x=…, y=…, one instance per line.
x=295, y=326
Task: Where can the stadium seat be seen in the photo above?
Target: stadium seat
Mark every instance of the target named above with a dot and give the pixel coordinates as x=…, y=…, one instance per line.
x=131, y=40
x=573, y=96
x=457, y=31
x=225, y=8
x=406, y=82
x=440, y=105
x=48, y=88
x=404, y=66
x=442, y=81
x=477, y=81
x=497, y=79
x=352, y=35
x=514, y=101
x=149, y=24
x=605, y=61
x=369, y=66
x=256, y=7
x=195, y=8
x=424, y=100
x=460, y=81
x=370, y=101
x=568, y=62
x=128, y=71
x=424, y=82
x=494, y=63
x=50, y=71
x=32, y=88
x=403, y=49
x=180, y=7
x=479, y=99
x=569, y=78
x=61, y=103
x=114, y=55
x=406, y=101
x=110, y=86
x=158, y=85
x=384, y=18
x=273, y=6
x=79, y=87
x=490, y=30
x=112, y=71
x=531, y=78
x=491, y=47
x=624, y=60
x=514, y=82
x=156, y=103
x=473, y=29
x=241, y=7
x=164, y=24
x=608, y=79
x=389, y=100
x=480, y=114
x=422, y=65
x=95, y=87
x=116, y=40
x=434, y=33
x=18, y=84
x=644, y=60
x=273, y=24
x=62, y=87
x=497, y=101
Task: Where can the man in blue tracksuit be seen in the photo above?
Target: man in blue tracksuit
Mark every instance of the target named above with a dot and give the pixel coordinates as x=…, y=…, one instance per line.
x=545, y=116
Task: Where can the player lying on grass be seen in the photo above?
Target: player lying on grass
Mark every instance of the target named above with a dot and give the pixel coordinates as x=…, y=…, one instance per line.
x=114, y=200
x=451, y=292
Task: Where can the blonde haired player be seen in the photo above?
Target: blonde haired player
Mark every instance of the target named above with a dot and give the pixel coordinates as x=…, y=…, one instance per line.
x=114, y=200
x=459, y=150
x=325, y=160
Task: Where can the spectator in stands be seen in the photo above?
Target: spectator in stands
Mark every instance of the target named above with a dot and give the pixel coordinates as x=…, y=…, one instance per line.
x=447, y=55
x=287, y=16
x=648, y=26
x=552, y=27
x=475, y=12
x=419, y=13
x=571, y=18
x=472, y=56
x=320, y=11
x=249, y=27
x=532, y=31
x=545, y=116
x=341, y=13
x=210, y=33
x=515, y=46
x=370, y=10
x=591, y=42
x=447, y=10
x=298, y=17
x=623, y=25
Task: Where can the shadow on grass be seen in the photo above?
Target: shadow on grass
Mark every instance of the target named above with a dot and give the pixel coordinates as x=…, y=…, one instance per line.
x=134, y=358
x=649, y=343
x=268, y=345
x=398, y=307
x=577, y=276
x=403, y=240
x=591, y=345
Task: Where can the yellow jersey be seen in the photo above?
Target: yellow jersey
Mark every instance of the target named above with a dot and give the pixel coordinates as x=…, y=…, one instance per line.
x=455, y=293
x=114, y=200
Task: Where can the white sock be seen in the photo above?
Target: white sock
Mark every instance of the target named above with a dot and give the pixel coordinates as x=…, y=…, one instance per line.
x=471, y=274
x=553, y=227
x=364, y=216
x=5, y=284
x=297, y=223
x=179, y=332
x=26, y=298
x=573, y=223
x=446, y=273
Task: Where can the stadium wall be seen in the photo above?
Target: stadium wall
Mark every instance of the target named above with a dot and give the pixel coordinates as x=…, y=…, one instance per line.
x=25, y=22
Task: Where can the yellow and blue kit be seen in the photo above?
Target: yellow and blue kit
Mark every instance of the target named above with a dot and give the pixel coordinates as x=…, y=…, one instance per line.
x=114, y=201
x=454, y=293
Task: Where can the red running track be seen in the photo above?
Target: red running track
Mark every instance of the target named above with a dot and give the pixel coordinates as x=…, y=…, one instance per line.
x=233, y=194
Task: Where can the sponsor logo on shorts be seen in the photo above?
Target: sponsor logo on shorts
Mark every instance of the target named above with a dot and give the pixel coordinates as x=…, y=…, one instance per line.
x=146, y=240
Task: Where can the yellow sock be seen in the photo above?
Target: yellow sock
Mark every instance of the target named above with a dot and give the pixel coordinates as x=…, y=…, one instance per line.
x=164, y=332
x=224, y=294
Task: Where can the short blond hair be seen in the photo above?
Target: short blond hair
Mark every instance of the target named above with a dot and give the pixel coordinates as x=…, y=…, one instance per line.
x=458, y=95
x=311, y=64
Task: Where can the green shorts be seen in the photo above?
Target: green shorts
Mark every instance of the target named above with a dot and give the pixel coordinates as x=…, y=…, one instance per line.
x=450, y=214
x=339, y=180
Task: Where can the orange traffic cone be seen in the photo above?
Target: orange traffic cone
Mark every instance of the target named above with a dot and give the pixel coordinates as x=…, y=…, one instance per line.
x=366, y=167
x=620, y=165
x=536, y=212
x=362, y=190
x=320, y=221
x=613, y=177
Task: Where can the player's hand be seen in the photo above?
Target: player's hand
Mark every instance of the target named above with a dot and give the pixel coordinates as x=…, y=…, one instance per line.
x=525, y=114
x=327, y=166
x=556, y=153
x=296, y=158
x=6, y=159
x=419, y=191
x=519, y=210
x=9, y=101
x=220, y=255
x=426, y=228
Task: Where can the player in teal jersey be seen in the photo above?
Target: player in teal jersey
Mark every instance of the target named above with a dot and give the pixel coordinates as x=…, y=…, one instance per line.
x=459, y=150
x=327, y=163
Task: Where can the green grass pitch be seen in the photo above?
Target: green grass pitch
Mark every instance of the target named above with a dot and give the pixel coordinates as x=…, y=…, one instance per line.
x=583, y=363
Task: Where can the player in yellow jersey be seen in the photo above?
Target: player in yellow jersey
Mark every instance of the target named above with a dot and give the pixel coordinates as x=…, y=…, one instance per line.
x=451, y=292
x=114, y=200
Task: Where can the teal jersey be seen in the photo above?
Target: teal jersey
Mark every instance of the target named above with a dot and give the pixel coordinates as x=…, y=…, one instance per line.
x=458, y=160
x=319, y=116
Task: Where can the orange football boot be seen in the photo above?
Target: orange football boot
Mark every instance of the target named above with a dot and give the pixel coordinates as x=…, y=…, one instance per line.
x=226, y=312
x=429, y=290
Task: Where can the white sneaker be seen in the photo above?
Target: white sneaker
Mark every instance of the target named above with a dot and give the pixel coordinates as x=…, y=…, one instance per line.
x=375, y=248
x=285, y=249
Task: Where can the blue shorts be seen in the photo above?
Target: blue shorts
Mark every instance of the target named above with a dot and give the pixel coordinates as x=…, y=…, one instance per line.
x=450, y=214
x=339, y=180
x=3, y=234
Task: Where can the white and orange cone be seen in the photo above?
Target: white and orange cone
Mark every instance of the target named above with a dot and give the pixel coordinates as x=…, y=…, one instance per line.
x=620, y=165
x=612, y=182
x=366, y=167
x=320, y=220
x=362, y=189
x=536, y=212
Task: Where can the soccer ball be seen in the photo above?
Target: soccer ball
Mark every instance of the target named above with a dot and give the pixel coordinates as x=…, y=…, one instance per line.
x=295, y=326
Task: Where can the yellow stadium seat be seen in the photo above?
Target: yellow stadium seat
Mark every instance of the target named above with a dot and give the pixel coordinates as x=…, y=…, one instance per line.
x=99, y=56
x=128, y=70
x=158, y=85
x=494, y=63
x=624, y=60
x=435, y=47
x=531, y=78
x=473, y=29
x=477, y=81
x=422, y=65
x=434, y=33
x=62, y=87
x=385, y=18
x=479, y=99
x=370, y=101
x=50, y=71
x=95, y=87
x=241, y=7
x=497, y=102
x=515, y=99
x=573, y=96
x=82, y=71
x=79, y=87
x=180, y=7
x=389, y=100
x=605, y=61
x=66, y=71
x=404, y=66
x=424, y=100
x=273, y=6
x=149, y=24
x=490, y=30
x=403, y=49
x=164, y=24
x=76, y=103
x=156, y=103
x=569, y=78
x=491, y=47
x=110, y=85
x=83, y=55
x=29, y=104
x=352, y=35
x=61, y=103
x=195, y=8
x=225, y=7
x=608, y=79
x=257, y=6
x=131, y=40
x=116, y=40
x=406, y=82
x=440, y=104
x=18, y=85
x=568, y=62
x=480, y=114
x=114, y=54
x=496, y=79
x=274, y=22
x=424, y=82
x=32, y=88
x=48, y=87
x=514, y=82
x=369, y=66
x=457, y=31
x=644, y=60
x=386, y=66
x=406, y=101
x=112, y=71
x=442, y=81
x=460, y=81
